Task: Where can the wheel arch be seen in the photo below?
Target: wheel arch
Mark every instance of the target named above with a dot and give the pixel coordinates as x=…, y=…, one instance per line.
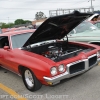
x=20, y=68
x=37, y=83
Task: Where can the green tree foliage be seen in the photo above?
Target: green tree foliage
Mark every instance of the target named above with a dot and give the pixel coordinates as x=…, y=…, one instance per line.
x=11, y=25
x=4, y=25
x=16, y=22
x=27, y=21
x=19, y=21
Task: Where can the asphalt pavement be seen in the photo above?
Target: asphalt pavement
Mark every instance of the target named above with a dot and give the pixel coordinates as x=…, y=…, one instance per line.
x=82, y=87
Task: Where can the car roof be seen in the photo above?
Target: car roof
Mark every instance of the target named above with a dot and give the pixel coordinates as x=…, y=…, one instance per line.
x=94, y=15
x=17, y=32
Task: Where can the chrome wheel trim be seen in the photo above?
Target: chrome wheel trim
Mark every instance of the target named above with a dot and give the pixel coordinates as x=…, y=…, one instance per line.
x=29, y=78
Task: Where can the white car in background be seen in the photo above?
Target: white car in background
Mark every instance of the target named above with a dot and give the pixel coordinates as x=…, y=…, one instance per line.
x=96, y=15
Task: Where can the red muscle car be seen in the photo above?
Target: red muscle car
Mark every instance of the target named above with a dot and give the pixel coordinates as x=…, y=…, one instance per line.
x=42, y=57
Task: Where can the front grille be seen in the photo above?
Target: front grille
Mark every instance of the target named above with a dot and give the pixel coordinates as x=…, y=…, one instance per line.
x=77, y=67
x=92, y=61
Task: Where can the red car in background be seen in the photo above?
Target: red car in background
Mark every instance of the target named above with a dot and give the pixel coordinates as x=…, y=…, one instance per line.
x=8, y=29
x=13, y=29
x=42, y=57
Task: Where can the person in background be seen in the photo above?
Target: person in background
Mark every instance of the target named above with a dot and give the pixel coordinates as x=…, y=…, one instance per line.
x=95, y=18
x=98, y=18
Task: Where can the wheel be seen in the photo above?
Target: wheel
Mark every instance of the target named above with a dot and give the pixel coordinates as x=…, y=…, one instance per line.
x=30, y=80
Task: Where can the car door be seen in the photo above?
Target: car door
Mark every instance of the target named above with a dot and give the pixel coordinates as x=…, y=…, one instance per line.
x=7, y=55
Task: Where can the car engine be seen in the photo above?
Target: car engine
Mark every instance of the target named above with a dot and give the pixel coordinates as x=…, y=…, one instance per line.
x=57, y=51
x=53, y=52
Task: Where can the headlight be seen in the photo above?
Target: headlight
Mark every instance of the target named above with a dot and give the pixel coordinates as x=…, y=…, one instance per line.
x=98, y=53
x=61, y=68
x=53, y=71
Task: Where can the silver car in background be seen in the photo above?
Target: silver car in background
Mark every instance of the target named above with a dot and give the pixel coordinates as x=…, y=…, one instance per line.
x=85, y=32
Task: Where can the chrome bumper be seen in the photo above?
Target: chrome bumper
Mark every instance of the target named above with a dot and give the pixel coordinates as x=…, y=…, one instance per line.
x=56, y=79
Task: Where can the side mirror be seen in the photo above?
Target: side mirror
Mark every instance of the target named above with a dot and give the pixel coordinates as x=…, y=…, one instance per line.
x=6, y=47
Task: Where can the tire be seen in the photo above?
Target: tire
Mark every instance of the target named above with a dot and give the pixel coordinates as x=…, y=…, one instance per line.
x=30, y=80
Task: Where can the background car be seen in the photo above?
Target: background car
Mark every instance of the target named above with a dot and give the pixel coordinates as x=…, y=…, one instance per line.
x=83, y=27
x=14, y=29
x=95, y=19
x=85, y=32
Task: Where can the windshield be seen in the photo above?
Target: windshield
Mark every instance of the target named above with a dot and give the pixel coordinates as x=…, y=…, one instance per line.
x=84, y=26
x=19, y=39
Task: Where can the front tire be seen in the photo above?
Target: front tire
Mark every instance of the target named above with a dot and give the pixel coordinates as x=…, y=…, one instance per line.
x=30, y=80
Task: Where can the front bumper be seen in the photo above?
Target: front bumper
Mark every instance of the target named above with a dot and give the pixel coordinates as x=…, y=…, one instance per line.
x=87, y=65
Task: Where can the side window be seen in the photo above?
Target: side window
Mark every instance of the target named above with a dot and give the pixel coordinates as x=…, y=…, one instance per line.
x=4, y=41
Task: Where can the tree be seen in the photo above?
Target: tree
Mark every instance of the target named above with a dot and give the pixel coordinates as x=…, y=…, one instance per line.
x=27, y=21
x=40, y=15
x=19, y=21
x=10, y=25
x=4, y=25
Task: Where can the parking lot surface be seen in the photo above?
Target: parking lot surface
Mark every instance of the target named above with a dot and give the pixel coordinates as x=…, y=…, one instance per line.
x=82, y=87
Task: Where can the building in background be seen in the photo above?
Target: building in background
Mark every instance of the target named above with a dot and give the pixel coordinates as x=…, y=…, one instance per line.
x=37, y=23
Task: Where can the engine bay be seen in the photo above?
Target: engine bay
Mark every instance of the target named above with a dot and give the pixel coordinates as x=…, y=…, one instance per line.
x=57, y=50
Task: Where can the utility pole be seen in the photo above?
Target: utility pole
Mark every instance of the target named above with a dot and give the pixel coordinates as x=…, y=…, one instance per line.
x=91, y=4
x=8, y=22
x=92, y=8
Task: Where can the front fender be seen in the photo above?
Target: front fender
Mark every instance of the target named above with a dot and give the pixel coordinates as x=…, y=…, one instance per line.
x=40, y=66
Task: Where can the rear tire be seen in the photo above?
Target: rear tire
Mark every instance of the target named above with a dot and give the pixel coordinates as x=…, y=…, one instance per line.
x=30, y=80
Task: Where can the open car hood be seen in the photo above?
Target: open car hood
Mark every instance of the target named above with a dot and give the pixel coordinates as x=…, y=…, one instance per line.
x=57, y=27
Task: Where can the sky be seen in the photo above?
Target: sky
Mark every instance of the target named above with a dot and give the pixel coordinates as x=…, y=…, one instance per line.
x=10, y=10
